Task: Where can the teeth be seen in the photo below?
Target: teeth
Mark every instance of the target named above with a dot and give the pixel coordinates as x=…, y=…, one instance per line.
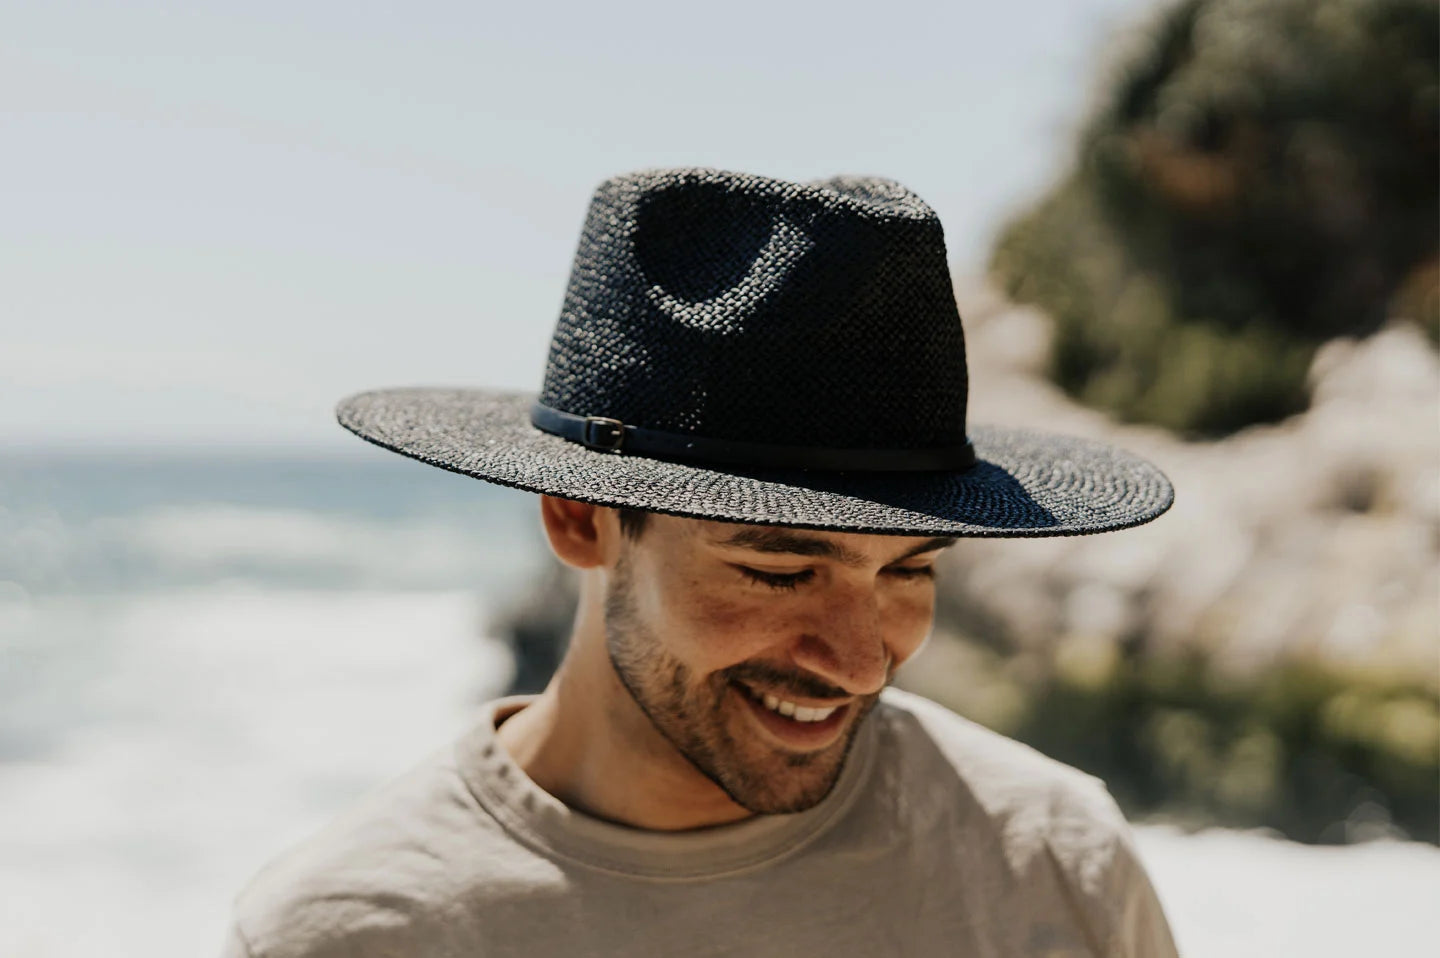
x=799, y=713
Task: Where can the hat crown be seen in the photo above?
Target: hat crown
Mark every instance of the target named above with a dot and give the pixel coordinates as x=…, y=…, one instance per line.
x=735, y=307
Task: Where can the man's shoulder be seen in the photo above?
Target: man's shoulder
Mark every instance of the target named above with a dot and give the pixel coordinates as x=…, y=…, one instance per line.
x=386, y=872
x=999, y=770
x=1042, y=832
x=1032, y=803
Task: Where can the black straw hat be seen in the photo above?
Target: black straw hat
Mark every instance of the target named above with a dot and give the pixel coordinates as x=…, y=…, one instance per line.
x=740, y=348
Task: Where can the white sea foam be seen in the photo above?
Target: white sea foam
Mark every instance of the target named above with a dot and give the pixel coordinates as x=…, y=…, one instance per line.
x=216, y=727
x=1245, y=895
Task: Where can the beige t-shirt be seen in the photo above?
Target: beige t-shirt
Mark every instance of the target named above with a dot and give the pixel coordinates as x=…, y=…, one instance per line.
x=941, y=838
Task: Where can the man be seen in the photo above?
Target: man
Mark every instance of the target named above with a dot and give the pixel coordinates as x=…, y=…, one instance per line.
x=751, y=441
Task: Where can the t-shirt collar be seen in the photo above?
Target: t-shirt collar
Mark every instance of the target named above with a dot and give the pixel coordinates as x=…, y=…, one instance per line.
x=545, y=824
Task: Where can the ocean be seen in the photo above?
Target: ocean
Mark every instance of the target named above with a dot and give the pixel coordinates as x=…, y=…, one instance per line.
x=205, y=655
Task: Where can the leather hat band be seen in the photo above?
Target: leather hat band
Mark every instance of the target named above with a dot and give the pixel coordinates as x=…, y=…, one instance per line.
x=612, y=435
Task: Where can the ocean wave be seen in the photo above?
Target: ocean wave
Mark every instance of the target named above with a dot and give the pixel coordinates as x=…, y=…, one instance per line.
x=170, y=546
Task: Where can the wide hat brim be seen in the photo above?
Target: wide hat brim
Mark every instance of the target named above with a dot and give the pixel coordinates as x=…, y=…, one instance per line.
x=1024, y=483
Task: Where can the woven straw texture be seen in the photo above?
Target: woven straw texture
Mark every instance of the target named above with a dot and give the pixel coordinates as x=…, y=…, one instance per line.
x=1027, y=484
x=732, y=307
x=742, y=308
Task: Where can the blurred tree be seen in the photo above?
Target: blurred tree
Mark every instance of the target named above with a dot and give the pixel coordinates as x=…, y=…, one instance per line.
x=1261, y=177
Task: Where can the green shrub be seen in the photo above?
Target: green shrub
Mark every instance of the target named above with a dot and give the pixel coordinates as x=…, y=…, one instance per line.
x=1311, y=750
x=1260, y=178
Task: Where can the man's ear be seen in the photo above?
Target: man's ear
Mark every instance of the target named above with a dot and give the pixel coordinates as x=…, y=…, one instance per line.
x=580, y=533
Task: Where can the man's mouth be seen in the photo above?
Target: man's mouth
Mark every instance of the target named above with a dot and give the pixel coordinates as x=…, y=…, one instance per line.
x=799, y=713
x=797, y=726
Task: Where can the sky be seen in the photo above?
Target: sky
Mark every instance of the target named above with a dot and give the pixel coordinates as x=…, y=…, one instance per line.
x=218, y=219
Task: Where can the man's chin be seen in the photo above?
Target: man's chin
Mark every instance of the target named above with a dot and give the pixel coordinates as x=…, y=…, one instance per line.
x=786, y=804
x=777, y=782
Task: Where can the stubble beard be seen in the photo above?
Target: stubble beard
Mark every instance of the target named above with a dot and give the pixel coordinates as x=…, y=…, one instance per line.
x=695, y=717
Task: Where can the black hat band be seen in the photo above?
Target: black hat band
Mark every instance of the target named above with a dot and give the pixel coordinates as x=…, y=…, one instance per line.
x=611, y=435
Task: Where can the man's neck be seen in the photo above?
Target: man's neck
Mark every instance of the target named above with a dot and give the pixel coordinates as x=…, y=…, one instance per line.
x=586, y=742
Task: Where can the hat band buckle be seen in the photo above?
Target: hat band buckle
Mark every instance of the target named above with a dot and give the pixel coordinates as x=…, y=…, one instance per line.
x=603, y=433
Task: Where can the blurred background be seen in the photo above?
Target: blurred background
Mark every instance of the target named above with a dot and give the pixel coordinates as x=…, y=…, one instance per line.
x=1206, y=231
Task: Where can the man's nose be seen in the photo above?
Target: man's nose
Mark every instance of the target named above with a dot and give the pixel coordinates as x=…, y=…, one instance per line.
x=845, y=644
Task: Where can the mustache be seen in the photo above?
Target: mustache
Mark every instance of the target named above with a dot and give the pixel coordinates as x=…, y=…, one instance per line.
x=799, y=683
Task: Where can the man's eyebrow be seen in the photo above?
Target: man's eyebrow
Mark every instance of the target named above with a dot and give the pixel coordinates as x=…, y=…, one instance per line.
x=929, y=545
x=796, y=543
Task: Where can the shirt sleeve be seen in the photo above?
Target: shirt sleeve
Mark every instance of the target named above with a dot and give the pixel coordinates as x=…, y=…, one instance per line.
x=235, y=945
x=1141, y=929
x=1106, y=885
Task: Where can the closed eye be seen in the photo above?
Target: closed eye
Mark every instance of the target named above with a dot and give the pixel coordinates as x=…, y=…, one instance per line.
x=913, y=572
x=784, y=581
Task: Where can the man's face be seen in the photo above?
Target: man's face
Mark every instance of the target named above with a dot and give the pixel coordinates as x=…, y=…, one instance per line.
x=757, y=650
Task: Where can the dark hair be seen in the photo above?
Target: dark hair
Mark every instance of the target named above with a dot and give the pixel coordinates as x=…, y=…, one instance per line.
x=632, y=521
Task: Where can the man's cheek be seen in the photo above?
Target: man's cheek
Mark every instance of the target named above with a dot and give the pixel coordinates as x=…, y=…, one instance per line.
x=909, y=627
x=727, y=630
